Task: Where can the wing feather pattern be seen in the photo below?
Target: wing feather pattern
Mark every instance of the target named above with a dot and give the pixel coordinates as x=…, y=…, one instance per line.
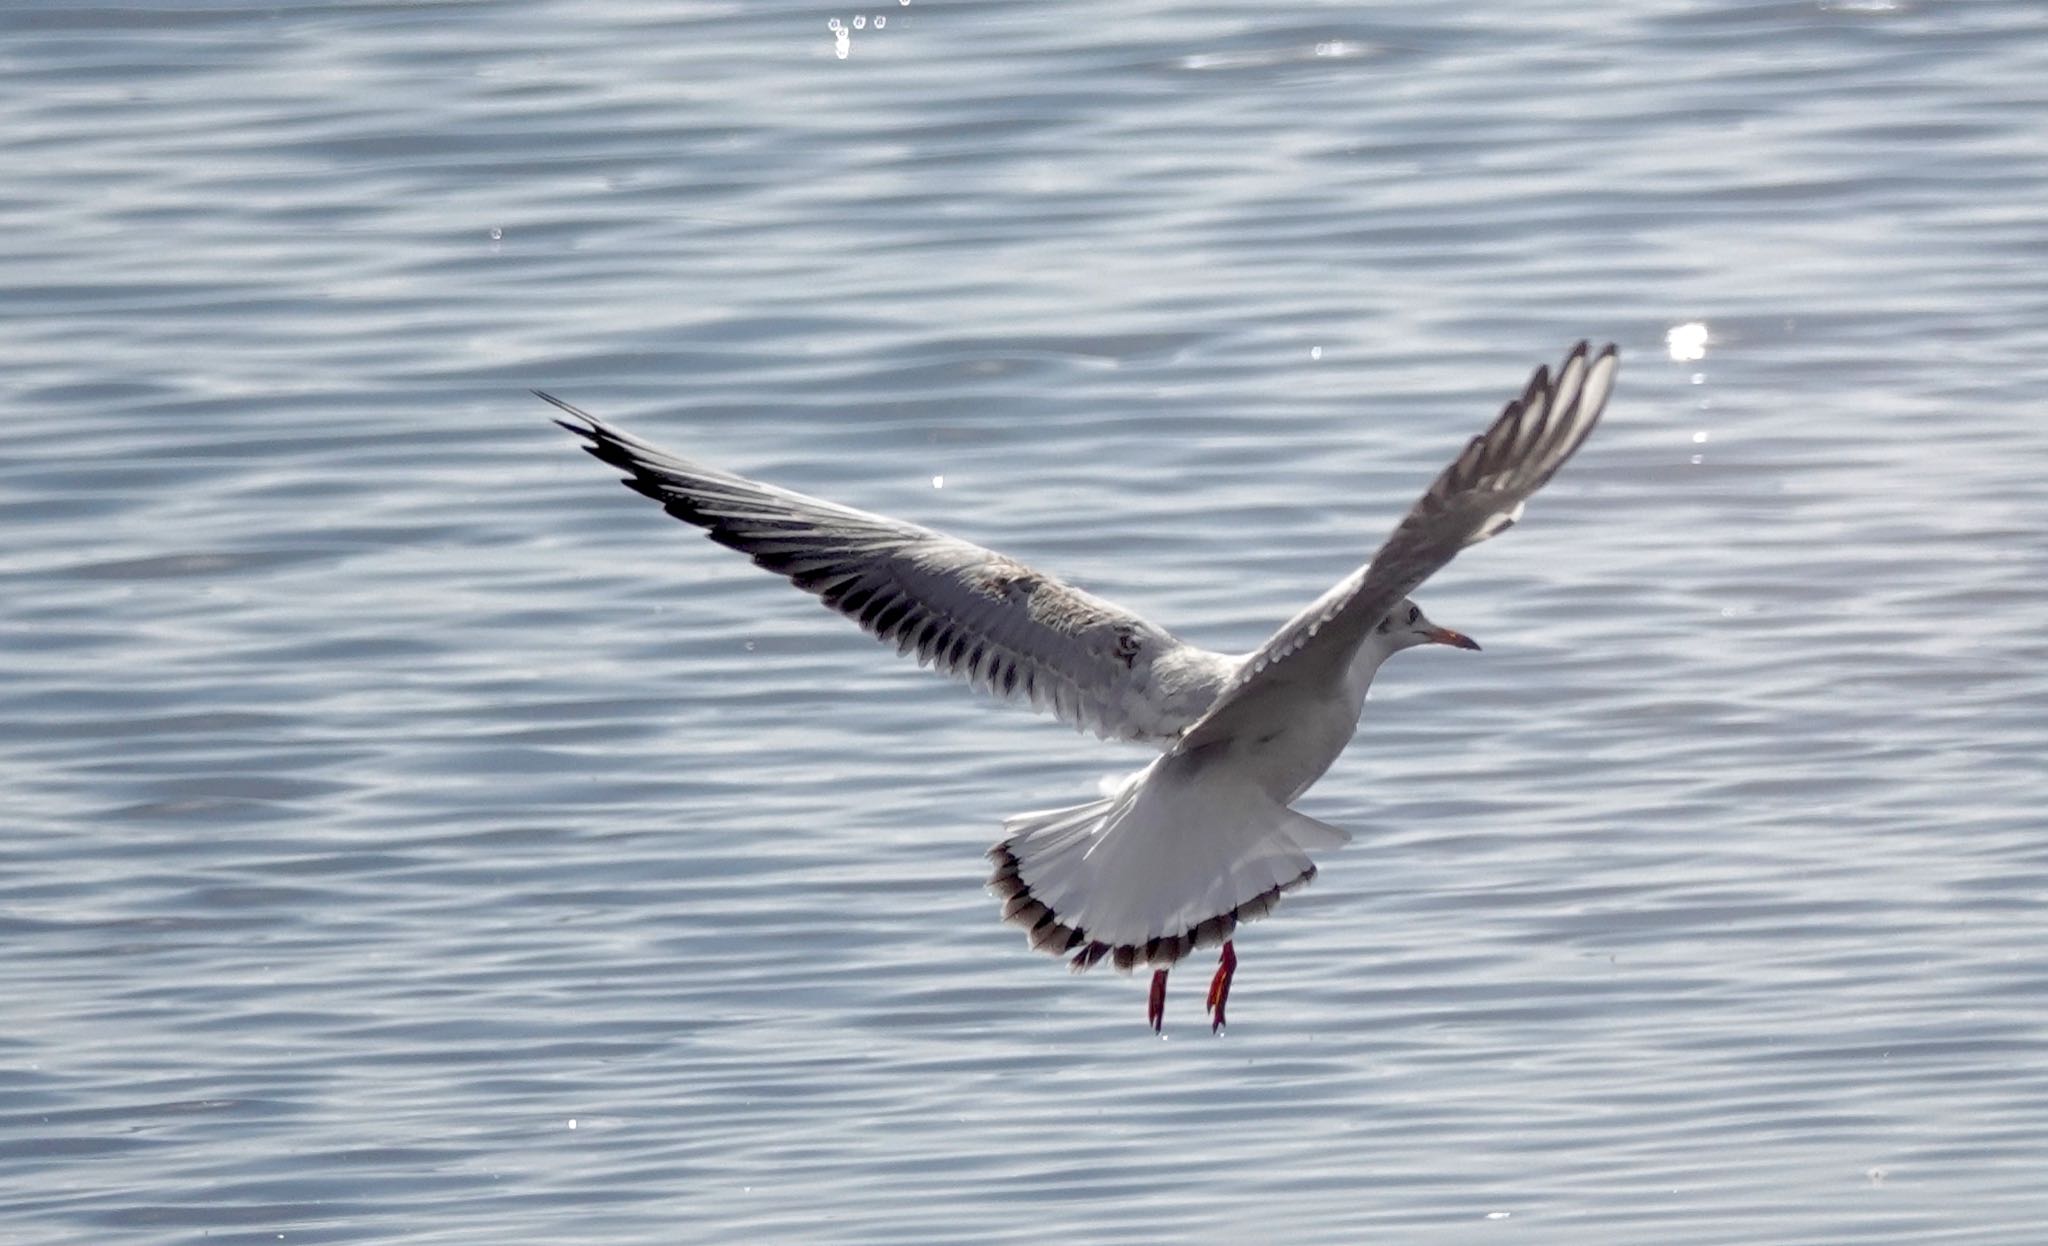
x=1015, y=633
x=1479, y=495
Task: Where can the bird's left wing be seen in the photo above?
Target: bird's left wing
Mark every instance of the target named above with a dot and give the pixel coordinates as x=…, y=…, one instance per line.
x=1478, y=496
x=967, y=611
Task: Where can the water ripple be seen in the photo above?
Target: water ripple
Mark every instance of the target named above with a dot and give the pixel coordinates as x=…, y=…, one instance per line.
x=414, y=835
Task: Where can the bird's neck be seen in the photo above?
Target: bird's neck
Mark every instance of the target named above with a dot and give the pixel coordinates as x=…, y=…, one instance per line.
x=1364, y=665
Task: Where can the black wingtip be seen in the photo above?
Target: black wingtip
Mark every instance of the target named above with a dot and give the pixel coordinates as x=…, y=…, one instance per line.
x=1584, y=350
x=580, y=422
x=560, y=405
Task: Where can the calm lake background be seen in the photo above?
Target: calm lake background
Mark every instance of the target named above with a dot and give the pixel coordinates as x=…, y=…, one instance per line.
x=410, y=835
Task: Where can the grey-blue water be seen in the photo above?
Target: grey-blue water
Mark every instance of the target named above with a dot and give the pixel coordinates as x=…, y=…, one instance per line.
x=410, y=835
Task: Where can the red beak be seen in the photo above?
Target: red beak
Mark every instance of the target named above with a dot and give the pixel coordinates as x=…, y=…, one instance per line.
x=1456, y=640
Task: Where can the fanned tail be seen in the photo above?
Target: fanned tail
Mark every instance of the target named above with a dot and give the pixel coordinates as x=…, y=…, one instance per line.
x=1166, y=865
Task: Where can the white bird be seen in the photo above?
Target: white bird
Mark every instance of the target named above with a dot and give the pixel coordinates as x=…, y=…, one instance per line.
x=1202, y=838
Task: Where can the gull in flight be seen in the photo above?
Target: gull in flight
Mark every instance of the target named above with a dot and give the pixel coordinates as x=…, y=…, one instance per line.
x=1203, y=838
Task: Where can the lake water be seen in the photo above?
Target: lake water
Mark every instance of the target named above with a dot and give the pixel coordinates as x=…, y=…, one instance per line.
x=412, y=836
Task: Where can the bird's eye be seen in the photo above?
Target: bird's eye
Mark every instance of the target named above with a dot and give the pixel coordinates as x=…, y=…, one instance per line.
x=1414, y=613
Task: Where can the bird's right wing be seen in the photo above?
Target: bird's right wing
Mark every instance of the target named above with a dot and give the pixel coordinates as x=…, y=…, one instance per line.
x=1016, y=633
x=1478, y=496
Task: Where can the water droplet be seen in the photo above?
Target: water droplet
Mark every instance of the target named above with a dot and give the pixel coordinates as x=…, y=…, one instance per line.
x=938, y=482
x=832, y=23
x=1315, y=352
x=1700, y=438
x=860, y=22
x=496, y=233
x=880, y=21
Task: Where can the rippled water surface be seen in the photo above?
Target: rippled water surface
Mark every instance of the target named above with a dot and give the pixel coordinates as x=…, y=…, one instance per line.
x=411, y=835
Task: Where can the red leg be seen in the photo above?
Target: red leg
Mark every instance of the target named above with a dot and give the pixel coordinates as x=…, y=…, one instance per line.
x=1155, y=1012
x=1219, y=986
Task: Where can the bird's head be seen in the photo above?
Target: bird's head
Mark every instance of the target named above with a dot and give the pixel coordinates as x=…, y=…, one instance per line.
x=1407, y=626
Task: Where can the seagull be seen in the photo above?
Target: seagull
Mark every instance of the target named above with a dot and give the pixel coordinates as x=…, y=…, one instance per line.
x=1203, y=838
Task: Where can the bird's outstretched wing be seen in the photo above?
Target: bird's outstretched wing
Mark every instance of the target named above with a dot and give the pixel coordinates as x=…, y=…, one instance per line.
x=1016, y=633
x=1479, y=495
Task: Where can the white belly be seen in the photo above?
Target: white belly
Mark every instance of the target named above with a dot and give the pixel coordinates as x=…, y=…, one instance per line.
x=1304, y=736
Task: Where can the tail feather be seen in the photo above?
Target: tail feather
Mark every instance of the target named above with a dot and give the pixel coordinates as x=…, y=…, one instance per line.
x=1150, y=873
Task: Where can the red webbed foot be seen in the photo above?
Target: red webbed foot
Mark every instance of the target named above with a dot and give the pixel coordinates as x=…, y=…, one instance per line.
x=1219, y=986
